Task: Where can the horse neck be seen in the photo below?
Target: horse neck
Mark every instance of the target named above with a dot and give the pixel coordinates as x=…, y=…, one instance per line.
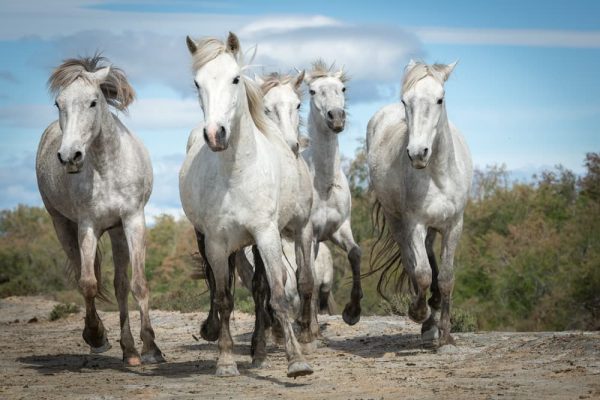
x=443, y=160
x=105, y=147
x=242, y=142
x=324, y=154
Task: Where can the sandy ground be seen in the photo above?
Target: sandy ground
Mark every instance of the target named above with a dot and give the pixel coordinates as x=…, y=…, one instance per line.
x=379, y=358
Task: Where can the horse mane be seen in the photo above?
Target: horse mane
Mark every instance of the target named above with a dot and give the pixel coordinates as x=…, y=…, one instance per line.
x=275, y=79
x=210, y=48
x=321, y=70
x=421, y=70
x=115, y=88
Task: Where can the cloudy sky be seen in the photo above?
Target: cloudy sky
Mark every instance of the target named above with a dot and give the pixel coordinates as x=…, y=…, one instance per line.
x=525, y=92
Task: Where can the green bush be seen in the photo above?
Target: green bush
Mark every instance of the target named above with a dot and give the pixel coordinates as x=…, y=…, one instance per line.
x=62, y=310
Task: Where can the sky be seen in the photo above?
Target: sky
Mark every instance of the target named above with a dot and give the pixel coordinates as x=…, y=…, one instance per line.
x=524, y=92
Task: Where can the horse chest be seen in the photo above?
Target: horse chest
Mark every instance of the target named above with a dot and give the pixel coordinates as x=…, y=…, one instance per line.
x=329, y=212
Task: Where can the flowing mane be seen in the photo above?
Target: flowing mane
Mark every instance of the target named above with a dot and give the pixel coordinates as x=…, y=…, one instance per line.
x=275, y=79
x=115, y=88
x=321, y=70
x=420, y=70
x=210, y=48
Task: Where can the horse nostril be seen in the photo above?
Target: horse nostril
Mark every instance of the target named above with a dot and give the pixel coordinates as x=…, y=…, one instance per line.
x=78, y=156
x=408, y=153
x=425, y=151
x=343, y=113
x=221, y=132
x=205, y=136
x=330, y=114
x=60, y=158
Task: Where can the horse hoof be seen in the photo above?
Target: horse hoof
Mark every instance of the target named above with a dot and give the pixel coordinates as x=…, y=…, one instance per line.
x=351, y=315
x=419, y=315
x=299, y=368
x=430, y=336
x=133, y=361
x=155, y=357
x=227, y=370
x=104, y=348
x=207, y=333
x=260, y=364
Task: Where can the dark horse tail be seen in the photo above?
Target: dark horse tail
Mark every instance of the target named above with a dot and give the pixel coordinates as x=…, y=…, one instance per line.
x=385, y=256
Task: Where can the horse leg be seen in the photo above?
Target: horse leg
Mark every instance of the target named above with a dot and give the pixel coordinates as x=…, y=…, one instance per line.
x=450, y=240
x=430, y=328
x=121, y=283
x=94, y=333
x=223, y=270
x=343, y=238
x=414, y=258
x=135, y=233
x=209, y=330
x=260, y=289
x=305, y=277
x=269, y=245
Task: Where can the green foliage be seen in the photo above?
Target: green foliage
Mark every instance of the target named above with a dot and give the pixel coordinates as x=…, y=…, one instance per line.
x=528, y=259
x=62, y=310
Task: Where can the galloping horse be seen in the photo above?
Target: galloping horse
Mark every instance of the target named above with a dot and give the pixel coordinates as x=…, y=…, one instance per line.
x=421, y=172
x=95, y=176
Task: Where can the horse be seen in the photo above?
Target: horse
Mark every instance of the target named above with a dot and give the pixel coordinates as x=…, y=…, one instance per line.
x=95, y=176
x=421, y=171
x=240, y=186
x=282, y=101
x=332, y=202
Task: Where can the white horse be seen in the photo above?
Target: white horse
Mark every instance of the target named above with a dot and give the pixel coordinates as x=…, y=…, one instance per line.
x=240, y=186
x=282, y=100
x=94, y=176
x=332, y=201
x=421, y=171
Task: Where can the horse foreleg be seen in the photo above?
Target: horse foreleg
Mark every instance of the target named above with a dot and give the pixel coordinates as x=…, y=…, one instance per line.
x=93, y=333
x=223, y=270
x=135, y=233
x=260, y=293
x=343, y=238
x=209, y=330
x=430, y=329
x=121, y=283
x=450, y=240
x=269, y=245
x=305, y=277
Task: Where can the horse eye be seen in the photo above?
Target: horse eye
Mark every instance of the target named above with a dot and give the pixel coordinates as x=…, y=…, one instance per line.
x=236, y=80
x=440, y=101
x=403, y=103
x=343, y=89
x=93, y=104
x=197, y=86
x=298, y=106
x=56, y=105
x=312, y=92
x=267, y=111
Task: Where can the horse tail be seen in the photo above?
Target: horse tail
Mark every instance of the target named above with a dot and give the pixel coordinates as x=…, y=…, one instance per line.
x=385, y=255
x=74, y=270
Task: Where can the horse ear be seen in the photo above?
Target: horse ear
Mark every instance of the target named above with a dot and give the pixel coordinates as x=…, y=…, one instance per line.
x=100, y=75
x=191, y=45
x=447, y=70
x=411, y=64
x=299, y=79
x=233, y=43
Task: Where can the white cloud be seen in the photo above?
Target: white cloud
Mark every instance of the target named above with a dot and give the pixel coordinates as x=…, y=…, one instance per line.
x=510, y=37
x=164, y=114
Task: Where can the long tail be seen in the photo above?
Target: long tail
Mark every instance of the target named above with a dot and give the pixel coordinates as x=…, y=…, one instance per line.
x=385, y=256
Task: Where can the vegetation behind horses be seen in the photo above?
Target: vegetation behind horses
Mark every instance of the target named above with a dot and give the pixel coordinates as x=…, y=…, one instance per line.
x=529, y=257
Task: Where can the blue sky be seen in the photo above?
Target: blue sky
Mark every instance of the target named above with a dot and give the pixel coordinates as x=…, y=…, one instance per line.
x=524, y=92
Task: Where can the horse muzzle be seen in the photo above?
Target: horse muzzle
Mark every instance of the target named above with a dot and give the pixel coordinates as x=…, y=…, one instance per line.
x=336, y=120
x=216, y=139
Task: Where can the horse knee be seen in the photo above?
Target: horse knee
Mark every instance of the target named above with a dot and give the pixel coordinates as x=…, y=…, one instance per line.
x=423, y=275
x=446, y=282
x=89, y=287
x=139, y=288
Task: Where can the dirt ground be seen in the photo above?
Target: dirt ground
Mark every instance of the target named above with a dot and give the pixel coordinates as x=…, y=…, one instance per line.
x=379, y=358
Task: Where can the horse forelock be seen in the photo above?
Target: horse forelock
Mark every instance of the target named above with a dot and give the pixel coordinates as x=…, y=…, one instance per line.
x=419, y=71
x=116, y=89
x=275, y=79
x=321, y=70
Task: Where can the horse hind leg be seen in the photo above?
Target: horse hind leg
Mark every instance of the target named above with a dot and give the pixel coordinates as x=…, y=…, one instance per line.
x=135, y=228
x=430, y=329
x=121, y=283
x=305, y=279
x=209, y=330
x=260, y=289
x=343, y=238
